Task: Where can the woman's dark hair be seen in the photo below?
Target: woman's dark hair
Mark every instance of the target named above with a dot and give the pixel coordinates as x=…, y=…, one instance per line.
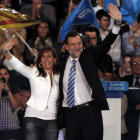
x=127, y=55
x=49, y=25
x=42, y=72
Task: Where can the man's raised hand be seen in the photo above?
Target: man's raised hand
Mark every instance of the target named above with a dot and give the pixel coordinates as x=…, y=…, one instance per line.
x=114, y=12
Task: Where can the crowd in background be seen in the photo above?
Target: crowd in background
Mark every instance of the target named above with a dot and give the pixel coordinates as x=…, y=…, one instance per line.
x=122, y=63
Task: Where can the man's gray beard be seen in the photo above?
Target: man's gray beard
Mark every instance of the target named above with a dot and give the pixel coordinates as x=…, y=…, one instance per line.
x=72, y=54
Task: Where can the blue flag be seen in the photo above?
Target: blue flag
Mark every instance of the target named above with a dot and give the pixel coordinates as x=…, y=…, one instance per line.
x=83, y=14
x=107, y=2
x=129, y=10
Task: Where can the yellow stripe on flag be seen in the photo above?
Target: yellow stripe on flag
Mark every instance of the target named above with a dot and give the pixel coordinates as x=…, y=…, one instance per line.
x=10, y=18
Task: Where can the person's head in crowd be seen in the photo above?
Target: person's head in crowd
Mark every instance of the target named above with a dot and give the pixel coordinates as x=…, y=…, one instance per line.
x=101, y=3
x=136, y=24
x=135, y=65
x=103, y=19
x=73, y=5
x=44, y=29
x=47, y=61
x=37, y=2
x=4, y=74
x=95, y=39
x=94, y=34
x=5, y=3
x=24, y=97
x=126, y=64
x=73, y=43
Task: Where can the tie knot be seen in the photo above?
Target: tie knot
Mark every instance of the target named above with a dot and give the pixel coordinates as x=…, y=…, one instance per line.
x=137, y=81
x=74, y=61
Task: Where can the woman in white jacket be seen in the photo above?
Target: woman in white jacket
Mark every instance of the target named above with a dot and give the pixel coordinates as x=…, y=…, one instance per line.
x=40, y=117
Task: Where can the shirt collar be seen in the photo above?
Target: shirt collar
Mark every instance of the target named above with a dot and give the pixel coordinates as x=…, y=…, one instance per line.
x=74, y=59
x=99, y=7
x=103, y=36
x=136, y=76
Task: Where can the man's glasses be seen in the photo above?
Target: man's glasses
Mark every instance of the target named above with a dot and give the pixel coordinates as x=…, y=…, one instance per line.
x=75, y=44
x=133, y=64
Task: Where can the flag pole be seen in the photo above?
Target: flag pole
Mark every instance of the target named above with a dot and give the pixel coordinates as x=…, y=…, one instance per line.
x=70, y=7
x=24, y=42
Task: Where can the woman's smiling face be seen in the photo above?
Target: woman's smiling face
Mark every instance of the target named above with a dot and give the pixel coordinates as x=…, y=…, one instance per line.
x=47, y=61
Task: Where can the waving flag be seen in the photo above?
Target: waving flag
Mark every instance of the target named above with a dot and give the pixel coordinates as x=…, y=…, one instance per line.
x=107, y=2
x=10, y=18
x=129, y=10
x=83, y=14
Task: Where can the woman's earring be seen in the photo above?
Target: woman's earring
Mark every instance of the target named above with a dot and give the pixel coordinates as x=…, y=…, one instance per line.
x=40, y=65
x=54, y=63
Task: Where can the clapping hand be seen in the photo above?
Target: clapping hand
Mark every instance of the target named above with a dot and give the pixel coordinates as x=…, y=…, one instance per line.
x=63, y=49
x=35, y=11
x=11, y=33
x=34, y=51
x=132, y=40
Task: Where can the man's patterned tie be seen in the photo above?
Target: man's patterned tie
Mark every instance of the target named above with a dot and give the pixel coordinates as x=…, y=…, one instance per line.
x=71, y=83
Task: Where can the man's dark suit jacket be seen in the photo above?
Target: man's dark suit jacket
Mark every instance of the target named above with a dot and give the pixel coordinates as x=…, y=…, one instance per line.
x=88, y=61
x=133, y=96
x=129, y=79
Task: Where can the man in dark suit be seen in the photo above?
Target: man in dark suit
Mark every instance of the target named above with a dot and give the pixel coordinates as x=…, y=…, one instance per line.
x=132, y=114
x=105, y=64
x=81, y=93
x=134, y=79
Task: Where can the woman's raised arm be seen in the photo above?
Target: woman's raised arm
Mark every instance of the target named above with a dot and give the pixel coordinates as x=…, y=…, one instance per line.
x=8, y=46
x=15, y=63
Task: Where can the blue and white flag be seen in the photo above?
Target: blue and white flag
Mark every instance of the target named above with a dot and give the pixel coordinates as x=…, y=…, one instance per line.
x=83, y=14
x=129, y=10
x=107, y=2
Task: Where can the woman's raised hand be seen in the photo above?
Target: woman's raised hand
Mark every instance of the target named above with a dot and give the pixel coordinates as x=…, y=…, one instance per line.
x=8, y=46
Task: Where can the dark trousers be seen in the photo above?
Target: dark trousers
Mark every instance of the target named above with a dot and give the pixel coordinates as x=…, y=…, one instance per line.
x=14, y=134
x=84, y=124
x=10, y=139
x=130, y=135
x=38, y=129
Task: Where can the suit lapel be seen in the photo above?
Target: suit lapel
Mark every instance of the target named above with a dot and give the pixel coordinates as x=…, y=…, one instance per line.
x=63, y=61
x=62, y=66
x=131, y=80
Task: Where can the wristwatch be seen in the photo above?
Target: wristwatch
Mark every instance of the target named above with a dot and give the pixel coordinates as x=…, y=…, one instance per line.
x=118, y=22
x=5, y=51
